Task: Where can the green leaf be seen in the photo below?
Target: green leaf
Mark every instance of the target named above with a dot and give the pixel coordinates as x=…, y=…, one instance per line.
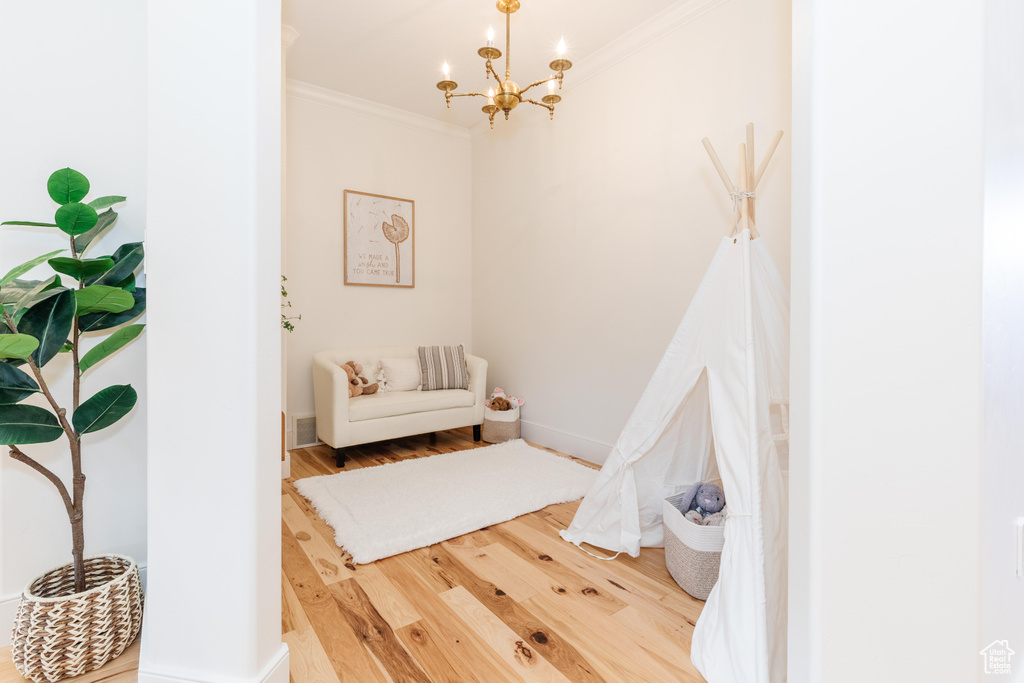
x=127, y=258
x=67, y=348
x=106, y=219
x=18, y=271
x=104, y=321
x=76, y=218
x=103, y=299
x=15, y=385
x=104, y=202
x=104, y=409
x=128, y=284
x=43, y=290
x=32, y=223
x=49, y=321
x=67, y=185
x=82, y=268
x=109, y=346
x=28, y=424
x=18, y=346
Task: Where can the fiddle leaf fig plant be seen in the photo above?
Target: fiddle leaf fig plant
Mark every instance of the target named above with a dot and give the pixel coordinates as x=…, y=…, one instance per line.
x=45, y=318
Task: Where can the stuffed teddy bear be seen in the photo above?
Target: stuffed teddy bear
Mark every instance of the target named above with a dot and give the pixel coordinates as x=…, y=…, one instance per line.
x=704, y=502
x=499, y=400
x=357, y=384
x=500, y=403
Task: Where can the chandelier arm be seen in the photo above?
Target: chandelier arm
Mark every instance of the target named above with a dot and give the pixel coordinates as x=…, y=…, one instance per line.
x=495, y=73
x=549, y=107
x=508, y=46
x=468, y=94
x=536, y=83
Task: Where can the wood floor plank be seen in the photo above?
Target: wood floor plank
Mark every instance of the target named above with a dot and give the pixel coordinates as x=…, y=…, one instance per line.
x=502, y=574
x=376, y=634
x=385, y=596
x=613, y=652
x=350, y=660
x=521, y=657
x=307, y=659
x=324, y=555
x=542, y=638
x=544, y=570
x=422, y=643
x=472, y=659
x=320, y=526
x=670, y=640
x=626, y=579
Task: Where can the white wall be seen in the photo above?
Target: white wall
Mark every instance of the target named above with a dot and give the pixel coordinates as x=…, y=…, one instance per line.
x=886, y=341
x=213, y=609
x=72, y=76
x=338, y=143
x=1003, y=469
x=605, y=219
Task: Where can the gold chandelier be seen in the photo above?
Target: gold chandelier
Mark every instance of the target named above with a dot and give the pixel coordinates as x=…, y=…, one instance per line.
x=508, y=94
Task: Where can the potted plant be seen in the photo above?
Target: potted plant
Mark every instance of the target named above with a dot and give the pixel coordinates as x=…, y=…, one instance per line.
x=77, y=617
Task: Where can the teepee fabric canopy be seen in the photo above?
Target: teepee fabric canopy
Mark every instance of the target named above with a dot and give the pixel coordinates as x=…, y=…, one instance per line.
x=715, y=409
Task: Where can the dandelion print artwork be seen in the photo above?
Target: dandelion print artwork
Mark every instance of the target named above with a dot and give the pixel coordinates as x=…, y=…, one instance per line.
x=379, y=240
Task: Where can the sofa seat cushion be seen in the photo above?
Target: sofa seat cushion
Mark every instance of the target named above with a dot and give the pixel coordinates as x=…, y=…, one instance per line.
x=391, y=403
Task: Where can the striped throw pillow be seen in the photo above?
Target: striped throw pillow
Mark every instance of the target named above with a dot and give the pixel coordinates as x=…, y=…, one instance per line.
x=443, y=367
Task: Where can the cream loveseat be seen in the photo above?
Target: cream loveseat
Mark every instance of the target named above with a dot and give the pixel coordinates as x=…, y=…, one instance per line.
x=342, y=421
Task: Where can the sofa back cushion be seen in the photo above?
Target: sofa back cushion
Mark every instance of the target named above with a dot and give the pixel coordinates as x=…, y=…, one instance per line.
x=443, y=367
x=399, y=374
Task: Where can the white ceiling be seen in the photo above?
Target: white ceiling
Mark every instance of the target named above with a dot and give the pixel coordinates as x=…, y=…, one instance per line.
x=391, y=51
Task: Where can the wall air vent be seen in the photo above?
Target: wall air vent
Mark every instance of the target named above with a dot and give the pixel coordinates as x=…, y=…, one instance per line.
x=305, y=431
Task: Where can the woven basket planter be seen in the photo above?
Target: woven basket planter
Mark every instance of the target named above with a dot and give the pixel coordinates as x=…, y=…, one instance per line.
x=500, y=425
x=59, y=633
x=693, y=552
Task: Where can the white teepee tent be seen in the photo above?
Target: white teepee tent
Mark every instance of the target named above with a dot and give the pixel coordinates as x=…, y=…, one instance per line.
x=716, y=409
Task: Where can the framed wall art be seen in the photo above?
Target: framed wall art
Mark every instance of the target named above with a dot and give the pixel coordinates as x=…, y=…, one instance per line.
x=380, y=240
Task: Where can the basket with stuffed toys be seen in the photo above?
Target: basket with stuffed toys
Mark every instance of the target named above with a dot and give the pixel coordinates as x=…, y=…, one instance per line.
x=501, y=417
x=694, y=537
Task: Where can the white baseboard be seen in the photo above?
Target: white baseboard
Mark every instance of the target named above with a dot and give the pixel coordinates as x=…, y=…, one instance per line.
x=276, y=671
x=572, y=444
x=286, y=465
x=8, y=608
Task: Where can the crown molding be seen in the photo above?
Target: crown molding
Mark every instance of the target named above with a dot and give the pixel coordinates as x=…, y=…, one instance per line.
x=308, y=92
x=636, y=39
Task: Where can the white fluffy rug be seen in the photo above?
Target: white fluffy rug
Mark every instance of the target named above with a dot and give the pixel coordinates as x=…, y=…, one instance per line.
x=389, y=509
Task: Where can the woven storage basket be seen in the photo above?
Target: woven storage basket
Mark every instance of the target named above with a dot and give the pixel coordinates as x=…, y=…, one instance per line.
x=500, y=425
x=693, y=552
x=59, y=633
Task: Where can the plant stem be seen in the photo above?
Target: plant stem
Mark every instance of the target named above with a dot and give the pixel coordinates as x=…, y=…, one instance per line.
x=75, y=511
x=20, y=456
x=78, y=520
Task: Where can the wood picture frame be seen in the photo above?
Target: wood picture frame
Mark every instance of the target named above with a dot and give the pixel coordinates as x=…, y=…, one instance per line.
x=379, y=240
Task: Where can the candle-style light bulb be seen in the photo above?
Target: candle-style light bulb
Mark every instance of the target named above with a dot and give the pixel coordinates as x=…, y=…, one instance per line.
x=490, y=36
x=551, y=86
x=446, y=70
x=561, y=46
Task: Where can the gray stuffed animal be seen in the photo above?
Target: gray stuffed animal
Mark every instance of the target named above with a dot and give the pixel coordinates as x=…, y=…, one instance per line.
x=705, y=498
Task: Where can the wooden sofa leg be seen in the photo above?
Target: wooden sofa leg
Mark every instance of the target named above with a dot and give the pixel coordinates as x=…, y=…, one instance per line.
x=339, y=457
x=476, y=432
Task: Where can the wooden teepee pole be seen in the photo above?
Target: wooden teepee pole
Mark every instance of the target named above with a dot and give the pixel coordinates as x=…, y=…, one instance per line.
x=751, y=183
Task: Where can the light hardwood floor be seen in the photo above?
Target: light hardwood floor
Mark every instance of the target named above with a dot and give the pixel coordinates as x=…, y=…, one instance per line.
x=124, y=669
x=510, y=602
